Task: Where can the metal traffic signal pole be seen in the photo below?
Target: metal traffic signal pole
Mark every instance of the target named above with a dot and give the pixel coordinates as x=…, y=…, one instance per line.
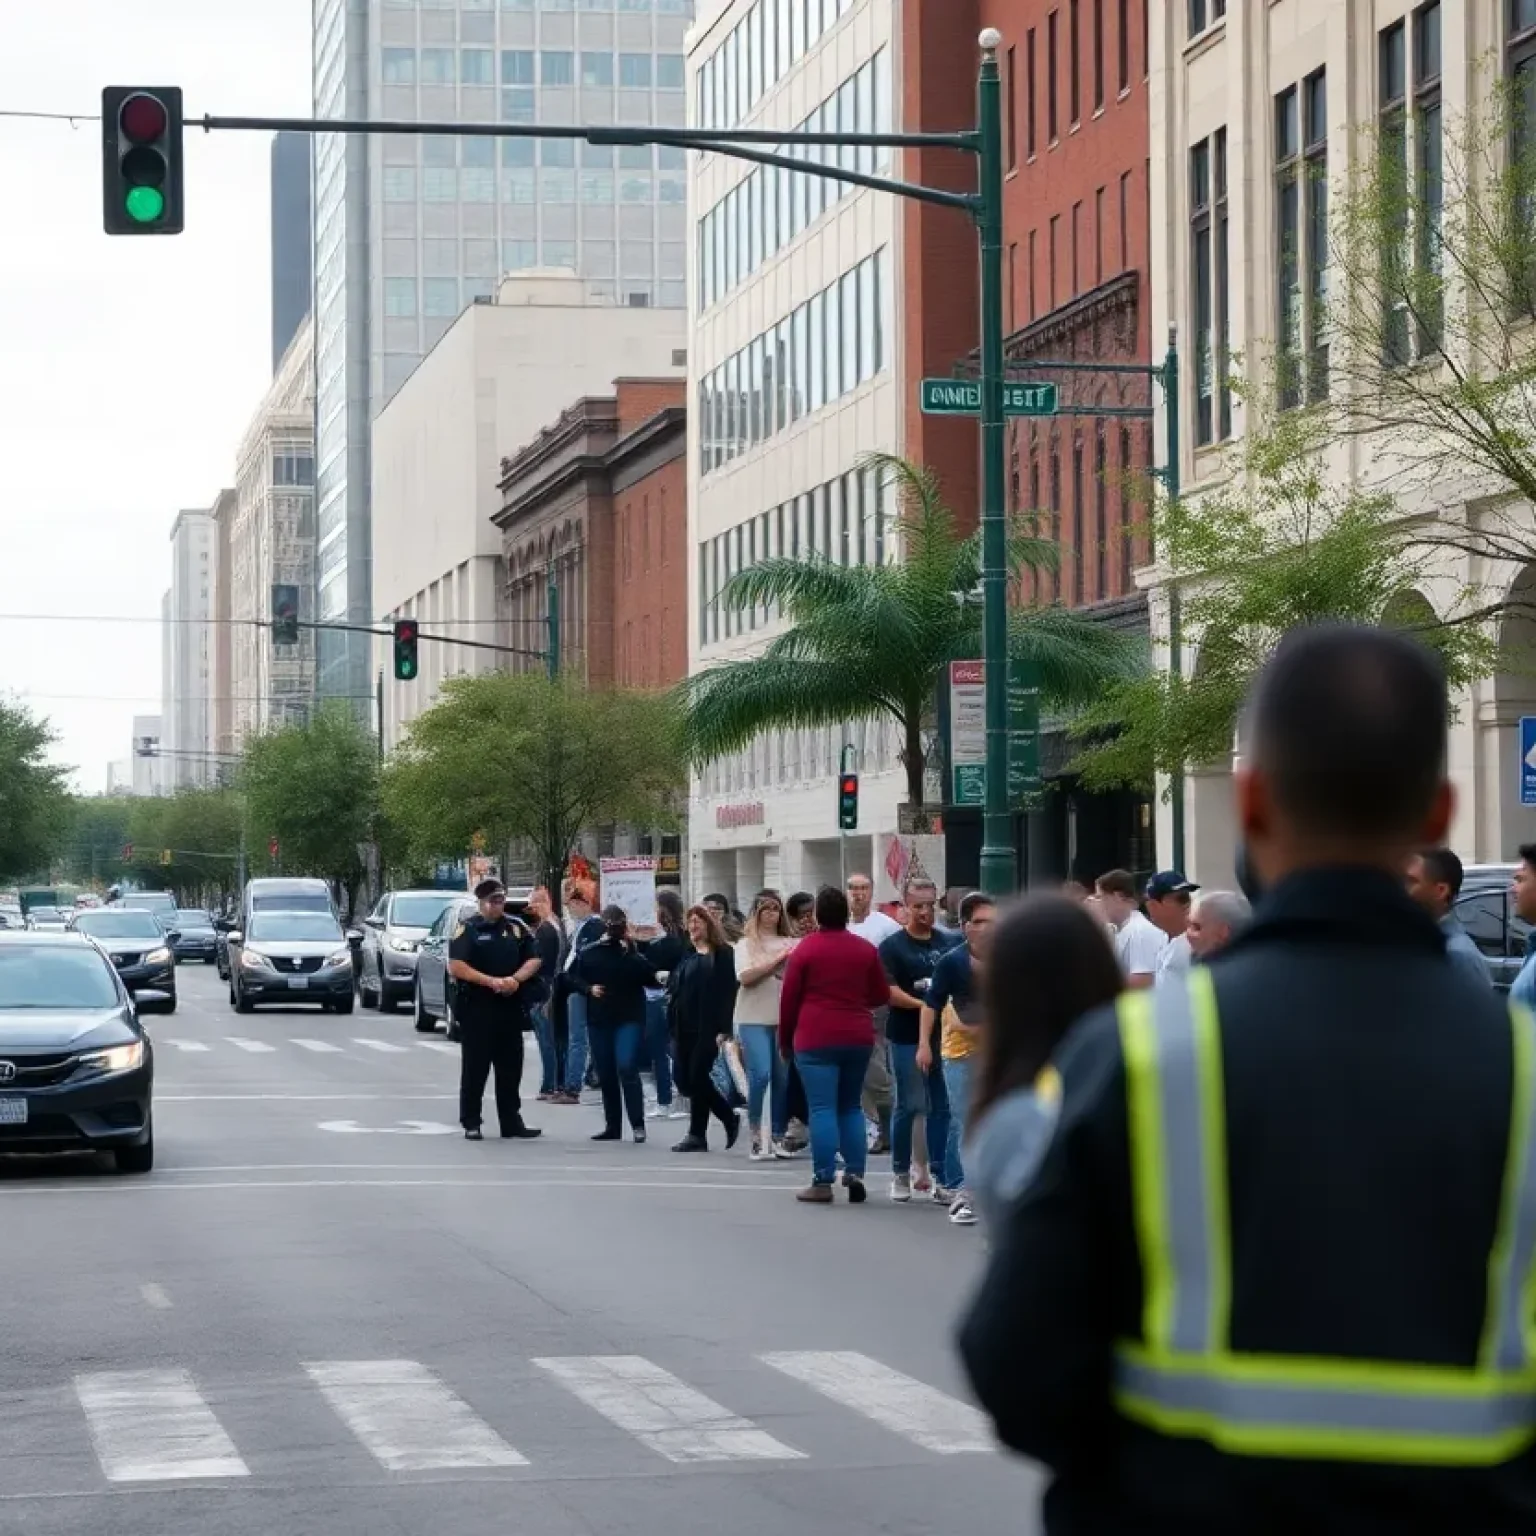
x=768, y=146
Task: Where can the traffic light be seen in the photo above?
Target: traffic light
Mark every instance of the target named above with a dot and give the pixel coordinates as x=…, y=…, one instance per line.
x=407, y=633
x=272, y=849
x=285, y=615
x=127, y=853
x=847, y=802
x=165, y=855
x=141, y=160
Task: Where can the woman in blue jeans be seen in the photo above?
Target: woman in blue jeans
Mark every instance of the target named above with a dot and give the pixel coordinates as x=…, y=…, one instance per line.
x=664, y=948
x=762, y=952
x=833, y=983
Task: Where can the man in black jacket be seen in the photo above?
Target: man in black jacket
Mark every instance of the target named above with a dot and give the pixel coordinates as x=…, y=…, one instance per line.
x=1272, y=1273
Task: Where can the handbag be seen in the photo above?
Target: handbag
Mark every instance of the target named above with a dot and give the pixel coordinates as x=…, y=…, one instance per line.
x=724, y=1079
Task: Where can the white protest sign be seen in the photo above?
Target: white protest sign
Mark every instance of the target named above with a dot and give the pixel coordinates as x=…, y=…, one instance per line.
x=630, y=884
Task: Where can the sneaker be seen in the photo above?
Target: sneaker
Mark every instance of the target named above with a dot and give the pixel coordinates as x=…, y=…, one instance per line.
x=757, y=1149
x=815, y=1194
x=658, y=1112
x=961, y=1213
x=781, y=1149
x=901, y=1188
x=960, y=1199
x=857, y=1194
x=943, y=1195
x=692, y=1144
x=639, y=1134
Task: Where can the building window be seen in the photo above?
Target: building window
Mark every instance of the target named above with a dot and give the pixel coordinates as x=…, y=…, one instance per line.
x=1205, y=13
x=1124, y=508
x=441, y=296
x=669, y=71
x=1077, y=521
x=399, y=66
x=1051, y=259
x=1098, y=55
x=1098, y=236
x=477, y=66
x=596, y=69
x=1050, y=78
x=437, y=66
x=1301, y=233
x=1077, y=219
x=1074, y=63
x=635, y=71
x=1029, y=93
x=1012, y=108
x=1222, y=285
x=1123, y=57
x=1428, y=173
x=557, y=67
x=517, y=66
x=1201, y=279
x=1100, y=510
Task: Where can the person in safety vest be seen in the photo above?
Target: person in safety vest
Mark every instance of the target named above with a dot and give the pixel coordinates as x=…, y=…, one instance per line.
x=1274, y=1272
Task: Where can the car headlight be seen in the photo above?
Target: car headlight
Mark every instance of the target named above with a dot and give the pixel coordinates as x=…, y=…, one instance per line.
x=341, y=957
x=157, y=957
x=252, y=960
x=404, y=946
x=120, y=1058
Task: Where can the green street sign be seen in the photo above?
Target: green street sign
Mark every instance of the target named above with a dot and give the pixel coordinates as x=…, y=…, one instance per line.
x=962, y=397
x=970, y=786
x=967, y=712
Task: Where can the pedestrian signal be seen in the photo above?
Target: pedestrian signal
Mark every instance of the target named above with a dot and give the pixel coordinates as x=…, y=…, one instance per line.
x=141, y=160
x=407, y=633
x=847, y=802
x=127, y=853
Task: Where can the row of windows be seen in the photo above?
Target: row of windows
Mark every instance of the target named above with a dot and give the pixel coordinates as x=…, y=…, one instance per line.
x=554, y=184
x=482, y=261
x=848, y=521
x=1030, y=114
x=550, y=66
x=828, y=347
x=796, y=757
x=760, y=215
x=757, y=53
x=441, y=150
x=443, y=297
x=291, y=468
x=665, y=7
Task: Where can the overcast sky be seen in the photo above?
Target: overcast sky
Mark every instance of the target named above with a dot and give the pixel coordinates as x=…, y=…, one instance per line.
x=129, y=368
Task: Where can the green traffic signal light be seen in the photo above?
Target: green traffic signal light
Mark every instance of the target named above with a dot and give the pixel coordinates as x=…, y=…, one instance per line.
x=407, y=633
x=145, y=204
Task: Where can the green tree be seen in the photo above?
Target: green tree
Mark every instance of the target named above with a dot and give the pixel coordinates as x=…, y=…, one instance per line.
x=869, y=641
x=92, y=852
x=518, y=757
x=314, y=787
x=34, y=795
x=1282, y=543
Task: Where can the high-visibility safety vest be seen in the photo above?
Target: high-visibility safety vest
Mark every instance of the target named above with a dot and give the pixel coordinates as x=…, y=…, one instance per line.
x=1183, y=1378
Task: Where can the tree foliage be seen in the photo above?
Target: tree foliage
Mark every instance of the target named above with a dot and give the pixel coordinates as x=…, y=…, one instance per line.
x=874, y=640
x=1281, y=544
x=516, y=756
x=315, y=788
x=199, y=828
x=34, y=795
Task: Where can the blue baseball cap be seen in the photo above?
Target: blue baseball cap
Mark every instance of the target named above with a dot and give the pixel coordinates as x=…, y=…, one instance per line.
x=1169, y=882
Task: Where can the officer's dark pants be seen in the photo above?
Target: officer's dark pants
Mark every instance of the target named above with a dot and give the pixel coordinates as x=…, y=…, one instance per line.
x=484, y=1046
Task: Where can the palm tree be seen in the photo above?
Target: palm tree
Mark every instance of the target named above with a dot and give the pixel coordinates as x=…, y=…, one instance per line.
x=871, y=641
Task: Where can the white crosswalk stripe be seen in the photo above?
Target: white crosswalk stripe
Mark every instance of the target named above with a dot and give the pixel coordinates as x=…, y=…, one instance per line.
x=380, y=1045
x=663, y=1412
x=187, y=1045
x=255, y=1047
x=439, y=1045
x=923, y=1414
x=322, y=1046
x=407, y=1419
x=153, y=1426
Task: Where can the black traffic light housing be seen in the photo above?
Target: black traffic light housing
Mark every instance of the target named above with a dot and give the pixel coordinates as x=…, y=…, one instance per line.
x=285, y=614
x=141, y=159
x=847, y=802
x=407, y=634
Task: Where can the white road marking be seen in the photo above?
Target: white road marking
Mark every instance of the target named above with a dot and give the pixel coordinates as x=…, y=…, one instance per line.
x=404, y=1128
x=380, y=1045
x=153, y=1426
x=911, y=1408
x=299, y=1098
x=77, y=1191
x=662, y=1412
x=255, y=1047
x=155, y=1296
x=186, y=1045
x=407, y=1419
x=323, y=1046
x=439, y=1045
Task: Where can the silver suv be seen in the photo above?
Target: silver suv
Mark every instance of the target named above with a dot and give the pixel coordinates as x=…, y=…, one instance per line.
x=392, y=933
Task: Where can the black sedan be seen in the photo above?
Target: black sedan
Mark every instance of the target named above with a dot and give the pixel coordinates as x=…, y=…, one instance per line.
x=196, y=938
x=140, y=948
x=76, y=1067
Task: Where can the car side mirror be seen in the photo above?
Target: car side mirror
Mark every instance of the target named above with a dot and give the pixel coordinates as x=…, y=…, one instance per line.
x=354, y=937
x=373, y=922
x=172, y=935
x=234, y=937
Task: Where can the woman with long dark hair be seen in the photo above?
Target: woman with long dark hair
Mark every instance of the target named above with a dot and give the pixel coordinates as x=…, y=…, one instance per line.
x=1051, y=962
x=663, y=949
x=701, y=1000
x=762, y=952
x=612, y=975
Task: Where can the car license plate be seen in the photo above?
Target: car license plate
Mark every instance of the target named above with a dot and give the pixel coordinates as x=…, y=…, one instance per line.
x=298, y=983
x=13, y=1111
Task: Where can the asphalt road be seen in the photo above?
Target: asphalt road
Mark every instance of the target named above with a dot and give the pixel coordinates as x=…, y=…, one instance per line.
x=326, y=1311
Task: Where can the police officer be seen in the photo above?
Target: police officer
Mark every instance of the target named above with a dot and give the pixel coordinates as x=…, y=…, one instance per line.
x=492, y=957
x=1275, y=1269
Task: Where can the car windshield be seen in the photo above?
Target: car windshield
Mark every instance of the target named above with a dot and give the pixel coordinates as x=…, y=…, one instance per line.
x=315, y=927
x=418, y=911
x=147, y=904
x=293, y=903
x=47, y=915
x=38, y=976
x=185, y=920
x=119, y=925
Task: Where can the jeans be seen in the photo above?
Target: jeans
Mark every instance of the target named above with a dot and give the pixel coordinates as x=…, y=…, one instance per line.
x=657, y=1047
x=918, y=1093
x=615, y=1053
x=760, y=1046
x=834, y=1083
x=957, y=1084
x=576, y=1043
x=550, y=1062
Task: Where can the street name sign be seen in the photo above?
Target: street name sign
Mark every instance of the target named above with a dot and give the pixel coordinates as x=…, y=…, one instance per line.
x=962, y=397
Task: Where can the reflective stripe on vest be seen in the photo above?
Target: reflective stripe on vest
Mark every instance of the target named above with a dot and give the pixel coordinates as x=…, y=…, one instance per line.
x=1182, y=1378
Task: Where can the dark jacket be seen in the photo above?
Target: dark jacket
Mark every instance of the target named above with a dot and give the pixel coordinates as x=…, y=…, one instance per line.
x=666, y=949
x=1368, y=1088
x=701, y=993
x=589, y=932
x=623, y=973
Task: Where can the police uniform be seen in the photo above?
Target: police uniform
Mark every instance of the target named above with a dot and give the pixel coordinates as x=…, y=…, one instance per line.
x=491, y=1024
x=1274, y=1270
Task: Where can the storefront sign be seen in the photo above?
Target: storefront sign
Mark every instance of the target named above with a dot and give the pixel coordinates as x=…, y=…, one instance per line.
x=739, y=815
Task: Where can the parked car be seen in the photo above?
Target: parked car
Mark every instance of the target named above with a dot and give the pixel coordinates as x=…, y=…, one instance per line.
x=292, y=957
x=78, y=1070
x=1488, y=914
x=195, y=936
x=392, y=934
x=161, y=903
x=141, y=949
x=47, y=919
x=434, y=986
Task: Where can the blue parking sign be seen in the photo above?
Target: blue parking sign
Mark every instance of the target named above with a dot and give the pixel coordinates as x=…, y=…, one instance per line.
x=1528, y=760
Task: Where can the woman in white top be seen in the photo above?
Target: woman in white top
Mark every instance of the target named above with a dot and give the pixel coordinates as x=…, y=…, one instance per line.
x=761, y=954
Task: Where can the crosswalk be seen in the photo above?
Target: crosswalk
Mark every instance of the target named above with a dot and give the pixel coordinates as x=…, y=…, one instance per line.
x=157, y=1426
x=363, y=1046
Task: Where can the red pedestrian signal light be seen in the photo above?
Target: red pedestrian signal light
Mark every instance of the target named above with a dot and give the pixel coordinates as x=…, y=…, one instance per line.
x=141, y=160
x=127, y=853
x=848, y=802
x=407, y=634
x=272, y=849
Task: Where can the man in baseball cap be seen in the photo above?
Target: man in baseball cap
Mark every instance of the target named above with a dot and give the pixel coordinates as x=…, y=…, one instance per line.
x=1168, y=896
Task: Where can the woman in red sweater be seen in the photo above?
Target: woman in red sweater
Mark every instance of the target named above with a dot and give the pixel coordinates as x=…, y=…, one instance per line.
x=832, y=984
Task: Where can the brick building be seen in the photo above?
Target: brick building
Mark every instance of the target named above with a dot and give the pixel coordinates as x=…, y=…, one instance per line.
x=1076, y=287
